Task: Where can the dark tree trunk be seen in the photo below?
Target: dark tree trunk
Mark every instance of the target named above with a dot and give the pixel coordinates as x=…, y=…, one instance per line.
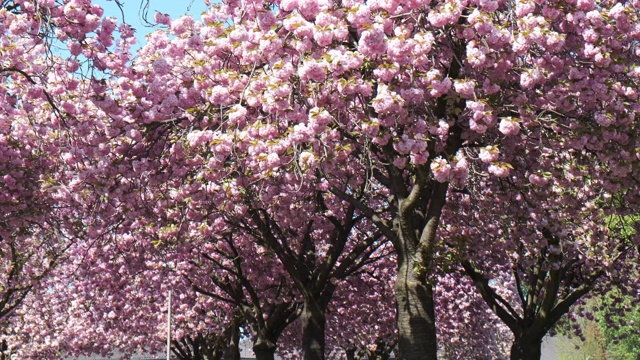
x=264, y=350
x=313, y=323
x=351, y=354
x=526, y=347
x=232, y=352
x=415, y=315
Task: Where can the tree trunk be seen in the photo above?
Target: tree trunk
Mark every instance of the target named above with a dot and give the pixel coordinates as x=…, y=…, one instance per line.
x=415, y=314
x=351, y=354
x=313, y=323
x=232, y=351
x=526, y=347
x=264, y=350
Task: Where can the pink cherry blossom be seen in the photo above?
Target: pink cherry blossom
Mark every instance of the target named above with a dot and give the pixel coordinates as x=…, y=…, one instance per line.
x=440, y=169
x=509, y=126
x=500, y=169
x=489, y=154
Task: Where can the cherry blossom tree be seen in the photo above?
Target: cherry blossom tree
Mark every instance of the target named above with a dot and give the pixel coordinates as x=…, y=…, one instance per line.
x=41, y=219
x=320, y=129
x=104, y=299
x=238, y=272
x=36, y=227
x=391, y=107
x=557, y=244
x=570, y=182
x=307, y=137
x=317, y=239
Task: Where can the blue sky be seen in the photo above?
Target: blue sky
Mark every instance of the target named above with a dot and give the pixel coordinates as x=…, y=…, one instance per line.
x=133, y=12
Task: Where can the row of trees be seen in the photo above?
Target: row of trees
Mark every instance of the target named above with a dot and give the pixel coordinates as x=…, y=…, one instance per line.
x=372, y=173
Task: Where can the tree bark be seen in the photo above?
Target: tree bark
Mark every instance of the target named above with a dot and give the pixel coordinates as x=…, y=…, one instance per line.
x=526, y=347
x=232, y=351
x=415, y=315
x=313, y=324
x=264, y=350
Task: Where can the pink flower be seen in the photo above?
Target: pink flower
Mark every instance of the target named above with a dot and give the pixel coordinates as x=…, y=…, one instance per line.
x=555, y=41
x=74, y=47
x=323, y=37
x=509, y=126
x=220, y=95
x=602, y=60
x=300, y=133
x=586, y=5
x=181, y=25
x=524, y=8
x=400, y=162
x=529, y=78
x=387, y=101
x=106, y=30
x=311, y=8
x=440, y=169
x=500, y=169
x=386, y=72
x=324, y=185
x=439, y=19
x=198, y=137
x=439, y=88
x=9, y=182
x=521, y=44
x=489, y=154
x=538, y=180
x=388, y=5
x=273, y=160
x=591, y=50
x=604, y=119
x=399, y=50
x=372, y=42
x=481, y=116
x=466, y=88
x=489, y=5
x=69, y=158
x=312, y=70
x=441, y=130
x=590, y=35
x=424, y=43
x=404, y=145
x=91, y=22
x=127, y=32
x=161, y=66
x=237, y=115
x=288, y=5
x=594, y=16
x=326, y=20
x=307, y=160
x=420, y=158
x=476, y=56
x=319, y=119
x=459, y=171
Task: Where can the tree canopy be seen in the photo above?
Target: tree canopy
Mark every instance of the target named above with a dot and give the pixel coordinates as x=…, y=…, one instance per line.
x=303, y=159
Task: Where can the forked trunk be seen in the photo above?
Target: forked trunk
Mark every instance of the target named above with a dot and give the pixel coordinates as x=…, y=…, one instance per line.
x=415, y=315
x=313, y=323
